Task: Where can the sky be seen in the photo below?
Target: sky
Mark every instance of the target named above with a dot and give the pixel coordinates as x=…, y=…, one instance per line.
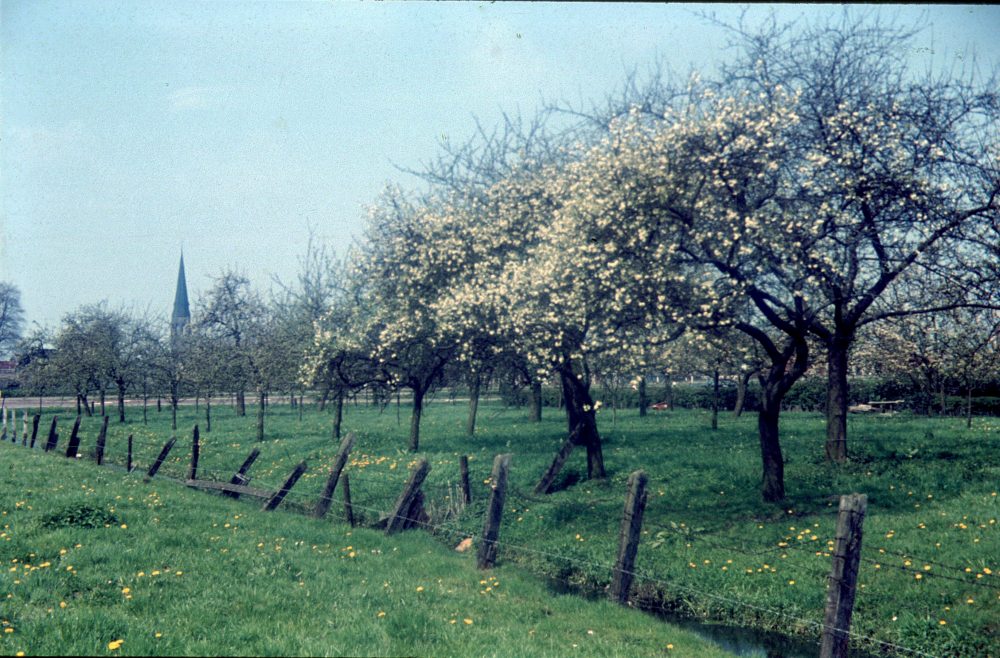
x=130, y=131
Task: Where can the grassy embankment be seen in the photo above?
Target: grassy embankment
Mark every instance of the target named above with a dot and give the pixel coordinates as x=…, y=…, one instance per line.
x=712, y=548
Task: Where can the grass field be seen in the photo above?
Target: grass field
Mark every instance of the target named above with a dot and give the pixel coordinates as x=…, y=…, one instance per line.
x=711, y=550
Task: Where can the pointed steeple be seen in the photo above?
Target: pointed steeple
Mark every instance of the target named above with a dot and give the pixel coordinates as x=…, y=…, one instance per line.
x=182, y=312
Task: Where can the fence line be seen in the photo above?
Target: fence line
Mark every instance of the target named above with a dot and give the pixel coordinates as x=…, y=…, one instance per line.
x=442, y=527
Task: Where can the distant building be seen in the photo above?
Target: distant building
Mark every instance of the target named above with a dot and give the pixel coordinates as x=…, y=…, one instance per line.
x=181, y=317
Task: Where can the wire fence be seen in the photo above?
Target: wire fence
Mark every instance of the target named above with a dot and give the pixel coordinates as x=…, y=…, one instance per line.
x=446, y=515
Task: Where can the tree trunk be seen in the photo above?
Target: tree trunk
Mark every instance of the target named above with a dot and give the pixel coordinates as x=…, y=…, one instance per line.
x=580, y=411
x=103, y=413
x=643, y=400
x=260, y=416
x=930, y=394
x=741, y=392
x=418, y=406
x=770, y=450
x=241, y=409
x=173, y=411
x=670, y=394
x=715, y=400
x=836, y=400
x=944, y=405
x=321, y=404
x=535, y=411
x=338, y=413
x=159, y=406
x=968, y=408
x=474, y=384
x=121, y=403
x=208, y=413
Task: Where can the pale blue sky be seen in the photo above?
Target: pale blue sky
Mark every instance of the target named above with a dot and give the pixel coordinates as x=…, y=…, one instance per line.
x=131, y=128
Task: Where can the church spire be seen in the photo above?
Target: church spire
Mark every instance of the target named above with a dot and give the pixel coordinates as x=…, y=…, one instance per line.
x=182, y=312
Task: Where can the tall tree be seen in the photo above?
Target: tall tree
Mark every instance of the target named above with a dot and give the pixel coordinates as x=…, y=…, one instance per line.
x=11, y=315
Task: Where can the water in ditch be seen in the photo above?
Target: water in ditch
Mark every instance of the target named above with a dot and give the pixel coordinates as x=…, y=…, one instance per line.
x=737, y=640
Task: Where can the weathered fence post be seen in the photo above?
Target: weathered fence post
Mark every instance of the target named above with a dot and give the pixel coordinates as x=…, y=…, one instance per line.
x=326, y=497
x=348, y=508
x=408, y=504
x=102, y=438
x=159, y=459
x=128, y=458
x=24, y=434
x=195, y=449
x=34, y=429
x=53, y=440
x=628, y=539
x=463, y=467
x=74, y=441
x=843, y=576
x=279, y=495
x=240, y=477
x=491, y=528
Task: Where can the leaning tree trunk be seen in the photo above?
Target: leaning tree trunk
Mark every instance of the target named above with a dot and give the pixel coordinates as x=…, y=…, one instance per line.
x=418, y=406
x=535, y=411
x=836, y=400
x=474, y=384
x=643, y=400
x=321, y=404
x=741, y=392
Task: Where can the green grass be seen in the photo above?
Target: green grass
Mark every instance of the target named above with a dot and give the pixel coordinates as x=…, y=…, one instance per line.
x=91, y=556
x=712, y=548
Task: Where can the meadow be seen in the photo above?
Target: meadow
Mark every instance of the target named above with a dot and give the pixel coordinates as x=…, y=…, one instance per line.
x=711, y=548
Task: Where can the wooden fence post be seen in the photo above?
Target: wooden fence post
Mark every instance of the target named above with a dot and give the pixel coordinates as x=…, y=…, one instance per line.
x=24, y=435
x=348, y=508
x=74, y=440
x=843, y=576
x=240, y=477
x=404, y=510
x=102, y=438
x=326, y=497
x=463, y=467
x=628, y=539
x=128, y=458
x=279, y=495
x=53, y=440
x=159, y=460
x=34, y=429
x=491, y=528
x=195, y=449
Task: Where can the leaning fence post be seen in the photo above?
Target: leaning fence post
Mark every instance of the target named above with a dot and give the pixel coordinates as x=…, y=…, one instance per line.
x=491, y=528
x=34, y=429
x=348, y=508
x=240, y=477
x=102, y=437
x=159, y=459
x=53, y=437
x=74, y=439
x=195, y=449
x=326, y=497
x=463, y=467
x=401, y=511
x=279, y=495
x=628, y=539
x=843, y=576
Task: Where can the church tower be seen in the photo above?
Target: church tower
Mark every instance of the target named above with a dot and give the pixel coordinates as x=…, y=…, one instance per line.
x=182, y=312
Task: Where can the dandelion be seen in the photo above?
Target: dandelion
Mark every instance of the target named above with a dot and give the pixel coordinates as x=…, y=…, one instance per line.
x=114, y=645
x=468, y=621
x=381, y=614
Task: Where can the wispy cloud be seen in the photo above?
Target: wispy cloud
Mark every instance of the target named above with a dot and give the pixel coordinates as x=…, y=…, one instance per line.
x=198, y=98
